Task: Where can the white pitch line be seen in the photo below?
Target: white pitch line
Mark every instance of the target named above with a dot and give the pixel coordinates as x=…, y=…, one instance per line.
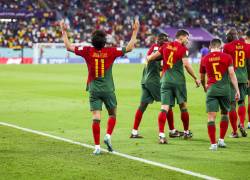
x=116, y=153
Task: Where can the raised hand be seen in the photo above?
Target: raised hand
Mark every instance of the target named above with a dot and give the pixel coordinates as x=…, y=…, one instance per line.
x=63, y=26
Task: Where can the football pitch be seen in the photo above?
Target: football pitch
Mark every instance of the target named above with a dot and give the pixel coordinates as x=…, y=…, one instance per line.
x=52, y=99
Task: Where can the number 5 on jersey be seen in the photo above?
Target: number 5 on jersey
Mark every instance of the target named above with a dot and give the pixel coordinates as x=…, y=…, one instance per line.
x=99, y=67
x=217, y=73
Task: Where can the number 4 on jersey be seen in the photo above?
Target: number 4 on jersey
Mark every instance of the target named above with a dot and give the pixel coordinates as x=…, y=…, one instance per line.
x=170, y=59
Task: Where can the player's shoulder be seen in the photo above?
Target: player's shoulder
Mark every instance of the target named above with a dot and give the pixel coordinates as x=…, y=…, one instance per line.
x=154, y=47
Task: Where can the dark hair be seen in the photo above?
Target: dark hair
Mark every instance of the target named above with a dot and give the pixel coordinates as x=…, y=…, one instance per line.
x=215, y=42
x=231, y=35
x=181, y=32
x=248, y=33
x=162, y=37
x=98, y=39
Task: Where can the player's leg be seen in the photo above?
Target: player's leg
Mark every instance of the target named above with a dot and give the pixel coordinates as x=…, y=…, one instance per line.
x=167, y=98
x=224, y=106
x=212, y=106
x=173, y=133
x=233, y=114
x=110, y=102
x=146, y=98
x=212, y=130
x=96, y=107
x=181, y=96
x=137, y=120
x=242, y=109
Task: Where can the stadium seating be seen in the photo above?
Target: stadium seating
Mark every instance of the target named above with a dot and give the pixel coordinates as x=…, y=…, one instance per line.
x=115, y=17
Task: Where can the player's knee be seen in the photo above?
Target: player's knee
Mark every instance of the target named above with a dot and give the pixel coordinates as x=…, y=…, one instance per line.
x=232, y=106
x=96, y=115
x=165, y=108
x=143, y=106
x=96, y=120
x=183, y=107
x=241, y=103
x=112, y=113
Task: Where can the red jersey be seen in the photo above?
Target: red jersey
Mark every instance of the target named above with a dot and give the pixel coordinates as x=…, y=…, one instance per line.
x=172, y=53
x=99, y=64
x=240, y=53
x=215, y=65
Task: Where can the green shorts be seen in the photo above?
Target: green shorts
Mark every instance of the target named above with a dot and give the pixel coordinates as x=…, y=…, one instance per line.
x=243, y=92
x=213, y=103
x=96, y=99
x=150, y=93
x=170, y=92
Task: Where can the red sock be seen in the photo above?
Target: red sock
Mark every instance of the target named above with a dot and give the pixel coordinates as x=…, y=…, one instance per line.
x=111, y=125
x=162, y=117
x=96, y=132
x=233, y=120
x=223, y=126
x=138, y=117
x=185, y=119
x=170, y=118
x=248, y=112
x=211, y=131
x=242, y=114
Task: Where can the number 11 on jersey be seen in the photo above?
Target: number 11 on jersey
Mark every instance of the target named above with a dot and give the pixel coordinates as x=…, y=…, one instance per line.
x=99, y=67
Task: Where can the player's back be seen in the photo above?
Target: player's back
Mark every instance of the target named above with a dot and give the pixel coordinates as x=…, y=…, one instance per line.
x=215, y=65
x=99, y=64
x=240, y=52
x=173, y=53
x=151, y=72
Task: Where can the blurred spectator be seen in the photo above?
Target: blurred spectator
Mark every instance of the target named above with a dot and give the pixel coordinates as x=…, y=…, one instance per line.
x=115, y=16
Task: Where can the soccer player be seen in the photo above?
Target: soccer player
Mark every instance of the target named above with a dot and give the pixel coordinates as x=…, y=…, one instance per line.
x=173, y=83
x=238, y=50
x=219, y=67
x=247, y=40
x=100, y=83
x=150, y=84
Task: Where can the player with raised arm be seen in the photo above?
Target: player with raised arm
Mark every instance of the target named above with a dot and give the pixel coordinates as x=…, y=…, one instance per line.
x=239, y=52
x=150, y=85
x=247, y=40
x=219, y=69
x=173, y=82
x=99, y=60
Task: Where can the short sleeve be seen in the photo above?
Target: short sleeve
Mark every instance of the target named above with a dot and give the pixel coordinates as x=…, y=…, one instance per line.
x=81, y=51
x=185, y=52
x=202, y=66
x=118, y=51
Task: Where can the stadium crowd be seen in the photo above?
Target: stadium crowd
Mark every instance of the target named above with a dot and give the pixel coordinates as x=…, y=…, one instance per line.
x=115, y=17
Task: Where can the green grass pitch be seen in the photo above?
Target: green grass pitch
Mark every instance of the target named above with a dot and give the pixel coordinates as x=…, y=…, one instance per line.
x=52, y=99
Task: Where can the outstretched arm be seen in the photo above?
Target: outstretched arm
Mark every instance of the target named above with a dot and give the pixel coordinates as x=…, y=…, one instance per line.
x=190, y=71
x=234, y=82
x=66, y=41
x=130, y=46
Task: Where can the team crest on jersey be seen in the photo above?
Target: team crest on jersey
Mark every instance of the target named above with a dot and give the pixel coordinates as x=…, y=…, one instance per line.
x=80, y=48
x=156, y=48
